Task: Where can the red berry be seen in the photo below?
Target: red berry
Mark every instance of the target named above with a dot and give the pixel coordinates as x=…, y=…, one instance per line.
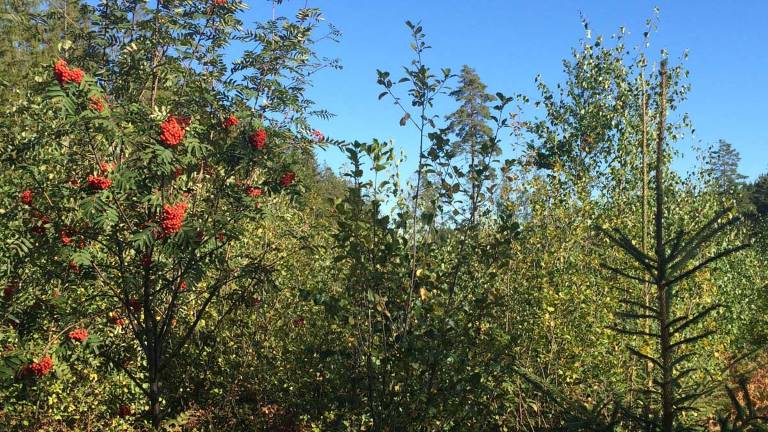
x=173, y=218
x=116, y=319
x=258, y=139
x=231, y=120
x=287, y=178
x=106, y=167
x=26, y=197
x=172, y=130
x=96, y=103
x=99, y=183
x=317, y=136
x=79, y=334
x=76, y=75
x=42, y=367
x=254, y=192
x=39, y=229
x=65, y=237
x=65, y=75
x=61, y=71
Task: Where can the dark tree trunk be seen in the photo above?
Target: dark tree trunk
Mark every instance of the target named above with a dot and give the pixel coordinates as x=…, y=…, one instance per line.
x=154, y=402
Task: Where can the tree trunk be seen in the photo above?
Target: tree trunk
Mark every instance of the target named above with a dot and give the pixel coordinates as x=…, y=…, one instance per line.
x=663, y=295
x=154, y=401
x=153, y=366
x=647, y=294
x=473, y=197
x=152, y=351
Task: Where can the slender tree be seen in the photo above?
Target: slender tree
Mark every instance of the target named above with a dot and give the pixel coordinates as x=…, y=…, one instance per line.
x=671, y=265
x=474, y=137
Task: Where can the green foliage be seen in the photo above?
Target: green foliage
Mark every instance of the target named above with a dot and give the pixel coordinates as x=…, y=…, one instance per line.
x=285, y=297
x=672, y=263
x=723, y=168
x=149, y=233
x=758, y=193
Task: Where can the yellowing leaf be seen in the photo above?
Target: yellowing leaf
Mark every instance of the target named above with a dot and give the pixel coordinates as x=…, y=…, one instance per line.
x=423, y=293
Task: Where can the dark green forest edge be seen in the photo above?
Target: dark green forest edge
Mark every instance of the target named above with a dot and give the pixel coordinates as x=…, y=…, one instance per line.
x=175, y=258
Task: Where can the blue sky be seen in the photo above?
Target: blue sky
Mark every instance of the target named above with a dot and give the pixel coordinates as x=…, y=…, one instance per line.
x=510, y=42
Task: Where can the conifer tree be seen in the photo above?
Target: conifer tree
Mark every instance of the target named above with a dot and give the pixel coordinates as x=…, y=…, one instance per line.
x=723, y=166
x=671, y=264
x=759, y=195
x=474, y=137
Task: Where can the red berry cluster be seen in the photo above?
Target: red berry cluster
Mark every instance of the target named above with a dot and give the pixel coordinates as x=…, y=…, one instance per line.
x=96, y=103
x=258, y=139
x=220, y=2
x=183, y=286
x=287, y=178
x=106, y=167
x=65, y=75
x=173, y=218
x=42, y=367
x=172, y=130
x=79, y=334
x=254, y=192
x=116, y=319
x=230, y=121
x=66, y=237
x=98, y=182
x=26, y=197
x=317, y=136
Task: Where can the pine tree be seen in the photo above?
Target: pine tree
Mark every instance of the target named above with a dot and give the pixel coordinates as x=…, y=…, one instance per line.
x=756, y=196
x=474, y=137
x=33, y=31
x=759, y=195
x=723, y=167
x=23, y=40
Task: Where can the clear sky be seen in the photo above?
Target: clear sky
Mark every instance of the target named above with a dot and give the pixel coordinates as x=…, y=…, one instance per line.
x=508, y=42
